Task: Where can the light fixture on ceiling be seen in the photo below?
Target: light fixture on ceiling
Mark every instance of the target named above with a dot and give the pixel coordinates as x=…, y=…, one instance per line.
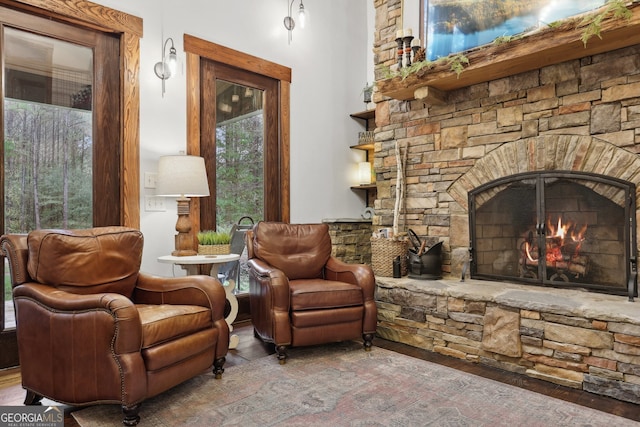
x=167, y=67
x=183, y=177
x=289, y=23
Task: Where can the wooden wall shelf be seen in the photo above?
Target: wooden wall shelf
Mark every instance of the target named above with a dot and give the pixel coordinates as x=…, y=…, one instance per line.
x=365, y=187
x=545, y=47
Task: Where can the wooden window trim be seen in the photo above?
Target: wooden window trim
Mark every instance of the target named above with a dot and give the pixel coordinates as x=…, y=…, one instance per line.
x=196, y=48
x=97, y=17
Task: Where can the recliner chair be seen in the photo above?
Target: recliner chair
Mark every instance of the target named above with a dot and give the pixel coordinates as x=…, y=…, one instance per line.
x=300, y=295
x=93, y=329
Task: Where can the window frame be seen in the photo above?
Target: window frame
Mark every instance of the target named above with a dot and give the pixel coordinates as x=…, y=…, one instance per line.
x=196, y=49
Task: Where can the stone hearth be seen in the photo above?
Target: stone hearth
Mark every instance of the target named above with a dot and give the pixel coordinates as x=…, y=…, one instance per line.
x=574, y=338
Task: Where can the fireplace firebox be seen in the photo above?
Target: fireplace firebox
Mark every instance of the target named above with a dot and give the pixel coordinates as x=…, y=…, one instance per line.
x=560, y=229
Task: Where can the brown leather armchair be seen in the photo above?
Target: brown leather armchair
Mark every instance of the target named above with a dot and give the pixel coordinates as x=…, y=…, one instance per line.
x=300, y=295
x=93, y=329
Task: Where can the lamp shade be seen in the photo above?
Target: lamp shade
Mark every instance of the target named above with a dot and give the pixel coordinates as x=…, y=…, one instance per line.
x=364, y=173
x=182, y=176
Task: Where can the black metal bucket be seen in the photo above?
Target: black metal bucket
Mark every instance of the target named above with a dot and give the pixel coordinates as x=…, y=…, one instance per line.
x=427, y=266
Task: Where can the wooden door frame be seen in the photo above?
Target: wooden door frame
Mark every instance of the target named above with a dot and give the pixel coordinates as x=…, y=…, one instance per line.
x=195, y=49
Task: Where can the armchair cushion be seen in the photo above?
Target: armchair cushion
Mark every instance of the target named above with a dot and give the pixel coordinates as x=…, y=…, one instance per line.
x=299, y=252
x=313, y=294
x=165, y=322
x=91, y=261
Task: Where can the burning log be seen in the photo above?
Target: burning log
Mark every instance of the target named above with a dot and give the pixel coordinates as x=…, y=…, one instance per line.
x=562, y=256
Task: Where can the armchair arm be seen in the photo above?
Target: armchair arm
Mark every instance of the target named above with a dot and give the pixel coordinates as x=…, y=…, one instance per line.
x=121, y=313
x=361, y=275
x=14, y=247
x=96, y=337
x=357, y=274
x=205, y=291
x=270, y=302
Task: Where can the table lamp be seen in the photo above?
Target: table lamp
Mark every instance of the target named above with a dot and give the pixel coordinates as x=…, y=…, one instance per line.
x=183, y=177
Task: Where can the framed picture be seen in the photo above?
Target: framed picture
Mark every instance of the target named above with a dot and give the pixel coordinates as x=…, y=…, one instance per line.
x=458, y=25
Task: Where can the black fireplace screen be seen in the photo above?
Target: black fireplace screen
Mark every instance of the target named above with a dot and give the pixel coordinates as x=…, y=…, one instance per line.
x=556, y=229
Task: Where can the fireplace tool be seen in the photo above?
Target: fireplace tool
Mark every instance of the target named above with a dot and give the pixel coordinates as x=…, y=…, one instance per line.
x=424, y=263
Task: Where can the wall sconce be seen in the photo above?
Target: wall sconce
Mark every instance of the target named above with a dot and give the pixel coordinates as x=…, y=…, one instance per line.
x=165, y=69
x=183, y=177
x=289, y=23
x=364, y=173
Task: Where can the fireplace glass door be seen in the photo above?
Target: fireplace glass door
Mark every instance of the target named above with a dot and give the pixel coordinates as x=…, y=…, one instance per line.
x=555, y=229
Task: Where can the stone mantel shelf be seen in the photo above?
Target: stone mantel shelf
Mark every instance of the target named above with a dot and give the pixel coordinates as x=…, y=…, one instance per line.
x=539, y=49
x=568, y=302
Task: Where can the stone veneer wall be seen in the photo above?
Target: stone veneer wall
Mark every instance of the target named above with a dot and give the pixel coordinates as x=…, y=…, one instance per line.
x=578, y=115
x=524, y=122
x=350, y=240
x=580, y=340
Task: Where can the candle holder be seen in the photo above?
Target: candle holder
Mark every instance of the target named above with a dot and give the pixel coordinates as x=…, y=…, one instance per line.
x=400, y=51
x=407, y=49
x=415, y=50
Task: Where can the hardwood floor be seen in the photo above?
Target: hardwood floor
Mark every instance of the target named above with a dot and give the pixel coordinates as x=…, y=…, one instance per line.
x=250, y=348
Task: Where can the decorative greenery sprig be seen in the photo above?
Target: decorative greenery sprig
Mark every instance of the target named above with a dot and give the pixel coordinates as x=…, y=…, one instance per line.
x=615, y=9
x=455, y=62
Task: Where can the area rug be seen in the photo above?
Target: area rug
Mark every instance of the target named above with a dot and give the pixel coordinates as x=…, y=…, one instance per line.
x=342, y=385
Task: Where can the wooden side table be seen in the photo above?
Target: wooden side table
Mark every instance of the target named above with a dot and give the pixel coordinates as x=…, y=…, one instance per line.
x=209, y=265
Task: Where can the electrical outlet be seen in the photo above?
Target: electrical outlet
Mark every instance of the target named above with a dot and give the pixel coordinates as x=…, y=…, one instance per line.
x=154, y=204
x=150, y=179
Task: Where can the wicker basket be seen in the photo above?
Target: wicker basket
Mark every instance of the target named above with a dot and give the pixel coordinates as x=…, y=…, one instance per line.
x=384, y=251
x=214, y=249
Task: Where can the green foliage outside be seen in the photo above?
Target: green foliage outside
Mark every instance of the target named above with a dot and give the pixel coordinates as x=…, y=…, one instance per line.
x=48, y=167
x=239, y=170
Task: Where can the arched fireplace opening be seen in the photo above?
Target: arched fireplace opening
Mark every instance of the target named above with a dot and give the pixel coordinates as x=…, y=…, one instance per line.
x=556, y=228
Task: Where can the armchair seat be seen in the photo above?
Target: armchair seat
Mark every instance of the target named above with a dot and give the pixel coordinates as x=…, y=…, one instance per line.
x=165, y=322
x=309, y=294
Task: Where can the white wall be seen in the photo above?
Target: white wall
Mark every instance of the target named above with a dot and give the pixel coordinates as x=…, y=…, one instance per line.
x=330, y=65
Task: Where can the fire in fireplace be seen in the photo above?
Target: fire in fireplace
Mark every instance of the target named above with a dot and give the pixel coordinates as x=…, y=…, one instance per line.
x=562, y=229
x=562, y=252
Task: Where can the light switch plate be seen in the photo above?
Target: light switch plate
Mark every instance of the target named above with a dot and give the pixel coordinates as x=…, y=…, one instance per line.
x=154, y=204
x=150, y=179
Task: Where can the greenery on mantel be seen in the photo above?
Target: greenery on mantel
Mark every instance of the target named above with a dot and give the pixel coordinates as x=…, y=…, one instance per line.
x=592, y=23
x=614, y=9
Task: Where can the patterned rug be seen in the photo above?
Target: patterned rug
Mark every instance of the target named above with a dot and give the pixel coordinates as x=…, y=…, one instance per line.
x=342, y=385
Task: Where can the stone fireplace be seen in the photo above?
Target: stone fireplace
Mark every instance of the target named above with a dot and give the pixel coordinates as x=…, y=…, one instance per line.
x=524, y=194
x=556, y=227
x=496, y=166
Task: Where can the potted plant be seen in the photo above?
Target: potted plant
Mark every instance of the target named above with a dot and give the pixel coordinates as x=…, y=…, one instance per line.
x=212, y=242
